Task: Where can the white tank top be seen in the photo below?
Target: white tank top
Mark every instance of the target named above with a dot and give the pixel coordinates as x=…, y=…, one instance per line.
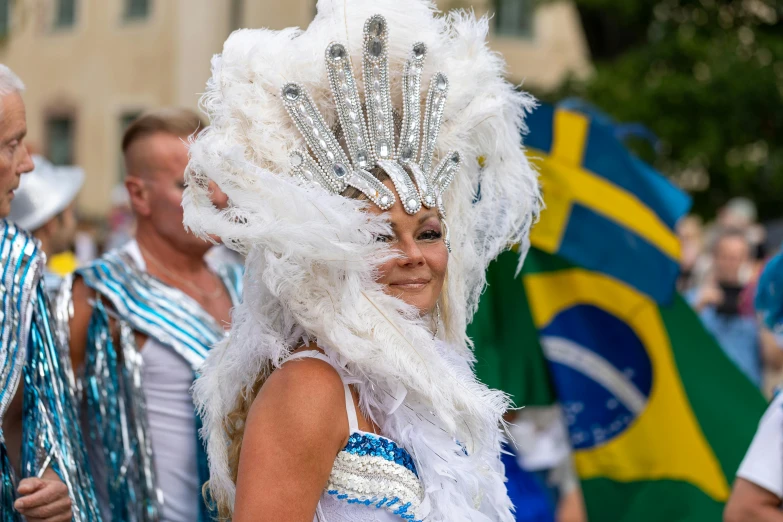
x=167, y=379
x=373, y=478
x=171, y=420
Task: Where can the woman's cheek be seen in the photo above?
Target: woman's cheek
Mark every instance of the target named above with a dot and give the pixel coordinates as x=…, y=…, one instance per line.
x=438, y=259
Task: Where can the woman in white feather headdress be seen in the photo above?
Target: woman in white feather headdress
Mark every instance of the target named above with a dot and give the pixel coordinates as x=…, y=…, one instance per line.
x=374, y=168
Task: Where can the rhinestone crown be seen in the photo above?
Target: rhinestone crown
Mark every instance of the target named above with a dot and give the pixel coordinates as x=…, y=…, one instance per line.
x=370, y=140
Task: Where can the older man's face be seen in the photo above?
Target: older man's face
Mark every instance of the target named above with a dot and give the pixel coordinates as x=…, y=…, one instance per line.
x=14, y=158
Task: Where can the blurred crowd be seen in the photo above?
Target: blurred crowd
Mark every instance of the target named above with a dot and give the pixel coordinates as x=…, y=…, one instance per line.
x=720, y=266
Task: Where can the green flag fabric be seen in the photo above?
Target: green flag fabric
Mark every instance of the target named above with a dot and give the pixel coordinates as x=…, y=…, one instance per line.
x=508, y=355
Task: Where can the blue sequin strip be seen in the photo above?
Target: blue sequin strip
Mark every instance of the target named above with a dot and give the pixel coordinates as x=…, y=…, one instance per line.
x=369, y=444
x=379, y=503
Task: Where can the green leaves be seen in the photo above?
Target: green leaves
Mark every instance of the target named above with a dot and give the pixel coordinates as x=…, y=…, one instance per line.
x=707, y=77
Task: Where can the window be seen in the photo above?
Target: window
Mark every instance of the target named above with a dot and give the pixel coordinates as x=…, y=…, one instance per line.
x=59, y=139
x=514, y=18
x=126, y=118
x=136, y=9
x=5, y=17
x=66, y=14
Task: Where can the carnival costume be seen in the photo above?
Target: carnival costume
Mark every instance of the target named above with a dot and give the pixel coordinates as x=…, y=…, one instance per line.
x=290, y=131
x=113, y=381
x=30, y=356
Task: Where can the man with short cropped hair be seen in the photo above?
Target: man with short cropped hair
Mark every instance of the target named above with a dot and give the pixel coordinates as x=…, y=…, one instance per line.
x=145, y=317
x=40, y=439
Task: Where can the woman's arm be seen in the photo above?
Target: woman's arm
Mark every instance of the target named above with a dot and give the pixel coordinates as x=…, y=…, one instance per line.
x=295, y=428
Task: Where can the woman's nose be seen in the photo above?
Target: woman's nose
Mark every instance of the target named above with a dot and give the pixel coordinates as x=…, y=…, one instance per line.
x=412, y=254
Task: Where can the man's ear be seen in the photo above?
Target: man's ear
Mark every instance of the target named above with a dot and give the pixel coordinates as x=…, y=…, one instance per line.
x=138, y=195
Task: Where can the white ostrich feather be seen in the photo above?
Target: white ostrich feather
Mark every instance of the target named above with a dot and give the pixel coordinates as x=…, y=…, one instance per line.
x=312, y=256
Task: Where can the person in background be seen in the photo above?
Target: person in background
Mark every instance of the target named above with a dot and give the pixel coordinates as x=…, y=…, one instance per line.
x=44, y=205
x=757, y=237
x=717, y=301
x=40, y=439
x=144, y=318
x=737, y=214
x=542, y=447
x=692, y=267
x=758, y=490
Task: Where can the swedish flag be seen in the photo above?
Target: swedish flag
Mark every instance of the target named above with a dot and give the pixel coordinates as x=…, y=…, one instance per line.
x=606, y=210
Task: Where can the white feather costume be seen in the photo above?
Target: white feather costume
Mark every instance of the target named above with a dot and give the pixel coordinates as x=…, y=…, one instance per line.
x=312, y=256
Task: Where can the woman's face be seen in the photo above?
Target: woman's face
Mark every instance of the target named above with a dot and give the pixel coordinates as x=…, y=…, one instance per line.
x=417, y=275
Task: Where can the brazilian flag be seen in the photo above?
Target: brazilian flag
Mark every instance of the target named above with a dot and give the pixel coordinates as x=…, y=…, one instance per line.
x=659, y=417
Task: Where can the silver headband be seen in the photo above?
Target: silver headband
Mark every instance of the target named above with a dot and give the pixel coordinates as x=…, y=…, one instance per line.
x=370, y=141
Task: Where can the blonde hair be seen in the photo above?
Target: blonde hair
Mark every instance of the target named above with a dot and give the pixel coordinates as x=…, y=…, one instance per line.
x=234, y=424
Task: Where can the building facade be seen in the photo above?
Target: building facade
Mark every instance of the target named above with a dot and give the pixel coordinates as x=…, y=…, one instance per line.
x=91, y=66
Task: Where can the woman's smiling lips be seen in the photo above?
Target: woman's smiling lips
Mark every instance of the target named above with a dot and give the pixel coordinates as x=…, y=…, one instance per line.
x=411, y=284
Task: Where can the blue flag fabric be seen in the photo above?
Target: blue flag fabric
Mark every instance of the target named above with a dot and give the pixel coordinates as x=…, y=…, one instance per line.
x=607, y=210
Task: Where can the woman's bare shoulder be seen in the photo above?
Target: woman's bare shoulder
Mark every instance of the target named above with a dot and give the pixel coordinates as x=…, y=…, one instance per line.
x=304, y=395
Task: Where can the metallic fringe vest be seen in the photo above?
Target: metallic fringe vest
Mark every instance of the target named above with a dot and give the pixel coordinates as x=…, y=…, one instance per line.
x=112, y=383
x=51, y=435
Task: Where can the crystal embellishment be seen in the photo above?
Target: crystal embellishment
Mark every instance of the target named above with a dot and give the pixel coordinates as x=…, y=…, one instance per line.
x=337, y=52
x=291, y=92
x=376, y=47
x=368, y=127
x=296, y=159
x=376, y=26
x=339, y=170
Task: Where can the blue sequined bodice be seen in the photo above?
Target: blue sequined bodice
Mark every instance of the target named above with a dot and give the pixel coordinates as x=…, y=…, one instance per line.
x=374, y=472
x=361, y=443
x=373, y=478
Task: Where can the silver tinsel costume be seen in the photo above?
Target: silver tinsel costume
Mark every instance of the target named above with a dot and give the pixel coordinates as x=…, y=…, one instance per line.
x=51, y=436
x=112, y=382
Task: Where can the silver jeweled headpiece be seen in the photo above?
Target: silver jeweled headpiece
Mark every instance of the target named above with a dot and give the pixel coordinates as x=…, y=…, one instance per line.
x=370, y=141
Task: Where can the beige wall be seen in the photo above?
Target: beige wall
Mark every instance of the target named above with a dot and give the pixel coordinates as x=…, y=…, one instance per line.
x=557, y=48
x=98, y=69
x=104, y=67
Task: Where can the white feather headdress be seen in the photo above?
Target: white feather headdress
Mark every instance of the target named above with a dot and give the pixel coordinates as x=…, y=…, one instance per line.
x=312, y=255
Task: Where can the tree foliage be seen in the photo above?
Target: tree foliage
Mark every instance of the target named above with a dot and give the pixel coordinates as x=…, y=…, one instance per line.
x=706, y=76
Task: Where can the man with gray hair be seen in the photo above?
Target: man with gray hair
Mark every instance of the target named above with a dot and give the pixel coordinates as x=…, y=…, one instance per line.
x=40, y=438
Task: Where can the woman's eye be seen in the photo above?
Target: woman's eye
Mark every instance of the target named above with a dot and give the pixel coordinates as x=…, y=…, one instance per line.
x=384, y=239
x=431, y=235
